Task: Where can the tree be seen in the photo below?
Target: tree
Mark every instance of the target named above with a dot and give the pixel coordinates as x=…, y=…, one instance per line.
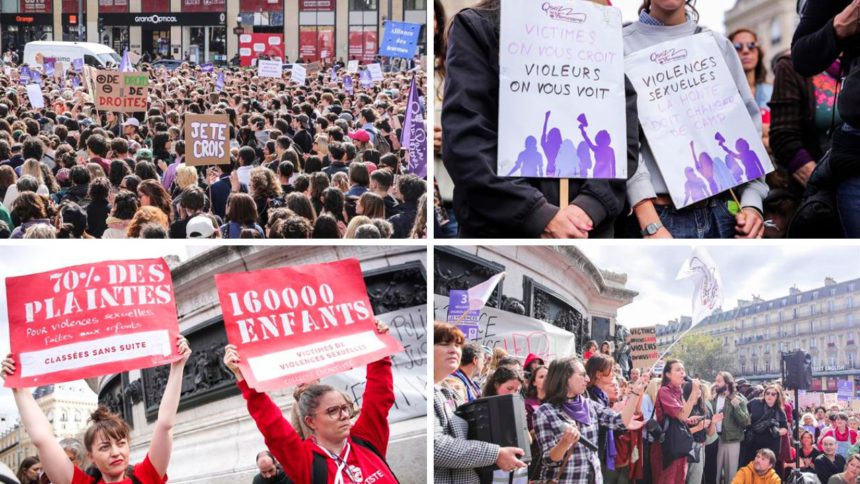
x=704, y=356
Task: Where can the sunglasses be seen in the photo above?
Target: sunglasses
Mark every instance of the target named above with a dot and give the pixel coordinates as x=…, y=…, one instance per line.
x=749, y=45
x=338, y=410
x=771, y=394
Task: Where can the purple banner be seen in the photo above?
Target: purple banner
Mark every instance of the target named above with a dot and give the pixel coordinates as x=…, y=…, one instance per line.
x=459, y=314
x=414, y=135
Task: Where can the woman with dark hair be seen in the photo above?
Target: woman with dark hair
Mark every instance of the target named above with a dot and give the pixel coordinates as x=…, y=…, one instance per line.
x=535, y=395
x=333, y=201
x=152, y=193
x=29, y=471
x=807, y=453
x=670, y=404
x=568, y=413
x=301, y=206
x=503, y=381
x=749, y=50
x=29, y=209
x=241, y=214
x=346, y=449
x=326, y=227
x=589, y=349
x=319, y=182
x=124, y=207
x=267, y=192
x=8, y=177
x=600, y=369
x=99, y=207
x=767, y=424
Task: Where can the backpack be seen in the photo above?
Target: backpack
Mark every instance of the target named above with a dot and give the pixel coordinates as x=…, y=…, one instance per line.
x=319, y=470
x=817, y=215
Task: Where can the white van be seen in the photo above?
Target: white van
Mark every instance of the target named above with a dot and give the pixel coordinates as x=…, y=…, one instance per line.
x=96, y=55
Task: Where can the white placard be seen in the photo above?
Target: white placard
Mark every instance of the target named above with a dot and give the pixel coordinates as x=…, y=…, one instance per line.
x=269, y=68
x=694, y=118
x=562, y=111
x=34, y=93
x=375, y=72
x=299, y=74
x=352, y=66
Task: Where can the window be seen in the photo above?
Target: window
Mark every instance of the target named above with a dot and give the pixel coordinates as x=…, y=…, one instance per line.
x=831, y=361
x=812, y=309
x=794, y=313
x=852, y=360
x=830, y=306
x=775, y=31
x=415, y=4
x=767, y=365
x=850, y=302
x=362, y=5
x=780, y=316
x=63, y=416
x=814, y=294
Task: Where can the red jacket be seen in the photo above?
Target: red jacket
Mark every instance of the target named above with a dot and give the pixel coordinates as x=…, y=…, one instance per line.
x=297, y=455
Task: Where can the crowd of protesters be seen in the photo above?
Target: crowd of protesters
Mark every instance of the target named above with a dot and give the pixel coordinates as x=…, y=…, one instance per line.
x=666, y=429
x=322, y=160
x=813, y=192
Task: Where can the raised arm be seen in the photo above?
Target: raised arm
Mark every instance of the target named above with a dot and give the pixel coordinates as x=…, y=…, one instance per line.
x=545, y=123
x=585, y=138
x=376, y=401
x=55, y=462
x=161, y=445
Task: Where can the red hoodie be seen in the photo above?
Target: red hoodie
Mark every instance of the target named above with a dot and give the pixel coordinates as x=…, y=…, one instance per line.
x=297, y=455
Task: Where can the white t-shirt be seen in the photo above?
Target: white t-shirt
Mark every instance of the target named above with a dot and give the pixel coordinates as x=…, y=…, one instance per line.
x=721, y=403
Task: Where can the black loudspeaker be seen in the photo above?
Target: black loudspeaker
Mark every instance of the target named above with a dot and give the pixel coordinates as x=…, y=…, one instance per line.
x=798, y=370
x=500, y=420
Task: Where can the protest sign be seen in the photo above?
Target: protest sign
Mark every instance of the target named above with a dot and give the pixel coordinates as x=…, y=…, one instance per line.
x=516, y=334
x=298, y=74
x=252, y=46
x=269, y=68
x=295, y=324
x=352, y=66
x=34, y=94
x=121, y=92
x=561, y=91
x=400, y=39
x=90, y=320
x=207, y=139
x=643, y=346
x=409, y=326
x=459, y=313
x=694, y=118
x=845, y=390
x=375, y=71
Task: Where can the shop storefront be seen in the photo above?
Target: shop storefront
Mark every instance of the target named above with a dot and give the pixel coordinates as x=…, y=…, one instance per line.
x=115, y=36
x=363, y=29
x=317, y=30
x=205, y=43
x=262, y=16
x=203, y=33
x=25, y=21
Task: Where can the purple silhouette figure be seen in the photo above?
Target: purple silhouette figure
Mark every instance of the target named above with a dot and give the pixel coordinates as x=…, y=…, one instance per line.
x=567, y=161
x=529, y=160
x=705, y=165
x=604, y=155
x=550, y=143
x=584, y=155
x=724, y=177
x=748, y=157
x=694, y=188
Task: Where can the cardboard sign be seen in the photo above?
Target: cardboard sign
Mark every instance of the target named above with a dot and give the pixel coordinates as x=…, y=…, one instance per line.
x=375, y=70
x=518, y=335
x=91, y=320
x=643, y=346
x=697, y=125
x=299, y=74
x=121, y=92
x=352, y=66
x=269, y=68
x=207, y=139
x=34, y=94
x=400, y=39
x=409, y=326
x=295, y=324
x=562, y=108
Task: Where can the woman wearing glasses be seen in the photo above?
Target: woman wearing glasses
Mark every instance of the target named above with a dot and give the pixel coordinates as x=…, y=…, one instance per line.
x=749, y=51
x=337, y=450
x=767, y=425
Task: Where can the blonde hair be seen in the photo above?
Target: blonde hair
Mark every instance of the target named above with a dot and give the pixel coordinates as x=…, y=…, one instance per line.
x=340, y=180
x=31, y=167
x=354, y=224
x=186, y=175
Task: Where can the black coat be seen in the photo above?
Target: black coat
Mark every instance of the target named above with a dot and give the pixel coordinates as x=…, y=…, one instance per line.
x=97, y=214
x=486, y=204
x=753, y=441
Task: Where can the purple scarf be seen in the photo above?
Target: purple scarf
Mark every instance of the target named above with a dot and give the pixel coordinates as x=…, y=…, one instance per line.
x=611, y=451
x=577, y=409
x=835, y=69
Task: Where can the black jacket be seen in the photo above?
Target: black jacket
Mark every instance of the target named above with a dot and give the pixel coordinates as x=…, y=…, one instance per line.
x=404, y=220
x=486, y=204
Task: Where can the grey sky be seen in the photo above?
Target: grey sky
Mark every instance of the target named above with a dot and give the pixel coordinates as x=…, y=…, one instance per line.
x=763, y=269
x=711, y=12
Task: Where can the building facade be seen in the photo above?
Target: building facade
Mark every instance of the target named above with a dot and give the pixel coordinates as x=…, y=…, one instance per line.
x=209, y=30
x=213, y=418
x=773, y=21
x=67, y=406
x=557, y=285
x=823, y=321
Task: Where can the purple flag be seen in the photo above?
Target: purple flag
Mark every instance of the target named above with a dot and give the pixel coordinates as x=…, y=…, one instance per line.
x=219, y=83
x=347, y=84
x=414, y=135
x=78, y=65
x=36, y=77
x=49, y=66
x=24, y=75
x=75, y=82
x=365, y=79
x=208, y=67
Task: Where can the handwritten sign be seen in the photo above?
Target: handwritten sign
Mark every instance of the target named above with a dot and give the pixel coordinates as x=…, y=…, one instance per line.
x=697, y=125
x=207, y=139
x=34, y=94
x=123, y=92
x=91, y=320
x=269, y=68
x=375, y=71
x=643, y=346
x=400, y=39
x=299, y=74
x=295, y=324
x=352, y=66
x=561, y=91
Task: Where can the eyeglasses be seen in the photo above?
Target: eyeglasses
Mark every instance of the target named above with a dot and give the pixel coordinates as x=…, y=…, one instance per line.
x=739, y=46
x=770, y=394
x=338, y=410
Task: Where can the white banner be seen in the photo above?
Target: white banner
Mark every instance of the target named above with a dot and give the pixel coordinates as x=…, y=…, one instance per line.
x=518, y=335
x=375, y=72
x=352, y=66
x=410, y=367
x=269, y=68
x=299, y=74
x=34, y=94
x=561, y=91
x=694, y=119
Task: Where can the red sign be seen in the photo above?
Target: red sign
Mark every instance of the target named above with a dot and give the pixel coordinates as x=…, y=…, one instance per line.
x=362, y=44
x=252, y=46
x=295, y=324
x=113, y=6
x=36, y=6
x=316, y=5
x=91, y=320
x=204, y=5
x=316, y=43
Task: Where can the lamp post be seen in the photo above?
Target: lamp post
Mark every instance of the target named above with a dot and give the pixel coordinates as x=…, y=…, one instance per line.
x=238, y=31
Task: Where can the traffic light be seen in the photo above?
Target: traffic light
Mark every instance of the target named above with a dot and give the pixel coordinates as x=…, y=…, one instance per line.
x=101, y=23
x=798, y=370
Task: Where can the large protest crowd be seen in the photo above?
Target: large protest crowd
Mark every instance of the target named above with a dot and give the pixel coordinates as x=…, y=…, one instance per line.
x=318, y=160
x=591, y=420
x=805, y=118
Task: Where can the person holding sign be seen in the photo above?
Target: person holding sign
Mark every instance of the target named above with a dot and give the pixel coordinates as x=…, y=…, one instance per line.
x=337, y=451
x=488, y=204
x=107, y=438
x=648, y=190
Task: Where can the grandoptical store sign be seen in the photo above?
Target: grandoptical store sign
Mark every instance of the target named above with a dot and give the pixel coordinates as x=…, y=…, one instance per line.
x=164, y=19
